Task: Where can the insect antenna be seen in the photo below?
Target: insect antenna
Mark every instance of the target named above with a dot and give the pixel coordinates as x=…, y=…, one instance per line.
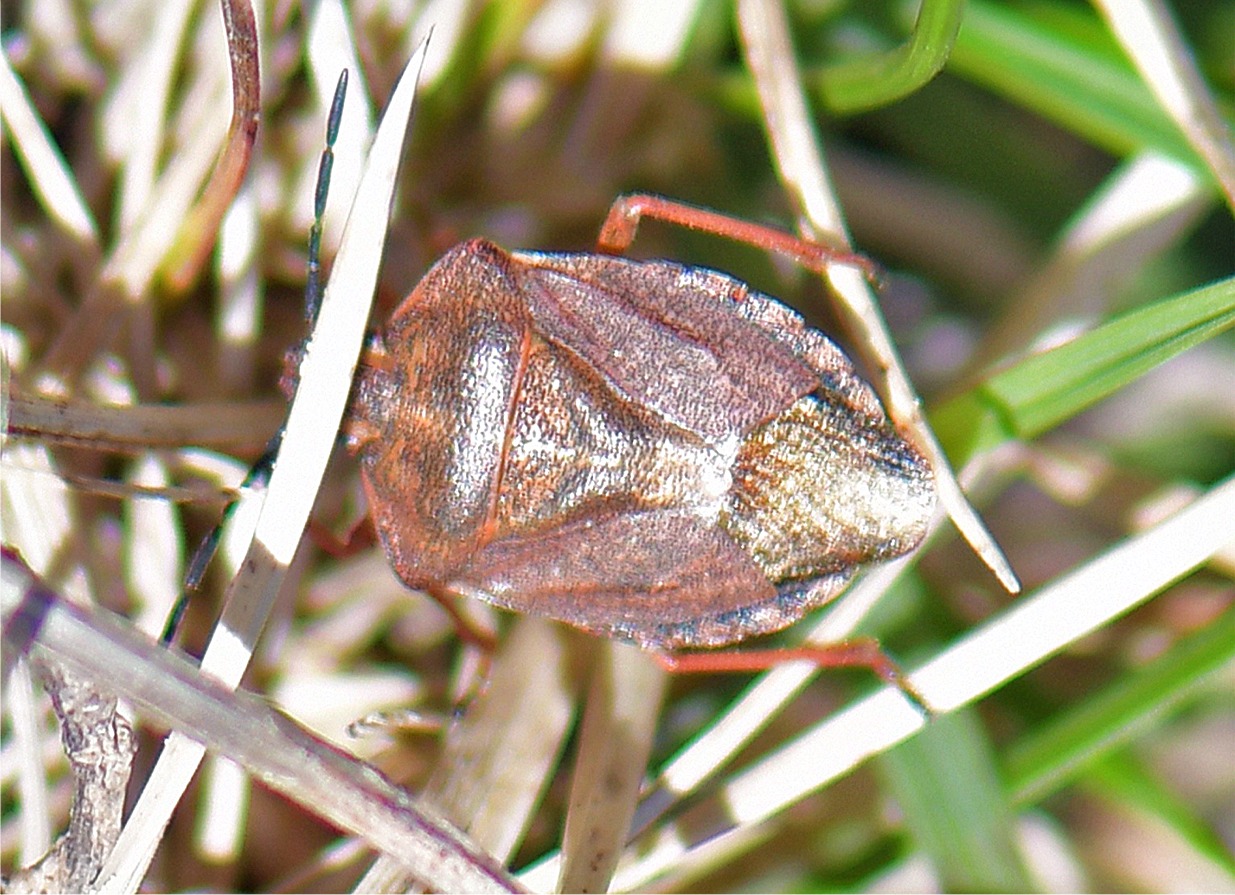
x=312, y=286
x=258, y=475
x=255, y=479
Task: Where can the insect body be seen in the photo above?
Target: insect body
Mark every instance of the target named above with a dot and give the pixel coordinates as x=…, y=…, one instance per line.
x=642, y=449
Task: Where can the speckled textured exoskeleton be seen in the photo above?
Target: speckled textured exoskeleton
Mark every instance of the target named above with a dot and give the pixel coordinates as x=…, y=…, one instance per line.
x=642, y=449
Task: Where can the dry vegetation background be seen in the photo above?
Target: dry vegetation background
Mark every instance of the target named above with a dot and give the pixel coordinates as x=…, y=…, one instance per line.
x=1024, y=199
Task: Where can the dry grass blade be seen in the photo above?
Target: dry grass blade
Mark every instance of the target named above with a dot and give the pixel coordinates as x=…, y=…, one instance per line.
x=37, y=512
x=244, y=727
x=614, y=743
x=49, y=175
x=116, y=296
x=1152, y=40
x=325, y=380
x=228, y=425
x=1036, y=628
x=1147, y=204
x=498, y=759
x=769, y=54
x=751, y=712
x=199, y=228
x=24, y=758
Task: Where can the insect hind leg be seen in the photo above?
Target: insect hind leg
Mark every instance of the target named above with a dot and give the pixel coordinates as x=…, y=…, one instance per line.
x=857, y=652
x=618, y=232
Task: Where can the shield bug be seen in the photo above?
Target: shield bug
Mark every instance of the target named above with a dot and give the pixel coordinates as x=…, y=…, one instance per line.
x=645, y=450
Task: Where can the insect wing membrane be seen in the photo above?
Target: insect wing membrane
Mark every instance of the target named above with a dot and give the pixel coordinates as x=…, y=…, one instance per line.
x=659, y=578
x=663, y=342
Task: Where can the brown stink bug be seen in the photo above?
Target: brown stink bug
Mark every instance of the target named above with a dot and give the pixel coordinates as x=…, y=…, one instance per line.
x=642, y=449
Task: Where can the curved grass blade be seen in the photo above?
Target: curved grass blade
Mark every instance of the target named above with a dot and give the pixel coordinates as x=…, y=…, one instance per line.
x=1043, y=391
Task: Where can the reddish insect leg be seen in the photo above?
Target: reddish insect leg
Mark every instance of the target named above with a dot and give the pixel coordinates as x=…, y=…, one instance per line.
x=860, y=652
x=465, y=626
x=360, y=536
x=618, y=232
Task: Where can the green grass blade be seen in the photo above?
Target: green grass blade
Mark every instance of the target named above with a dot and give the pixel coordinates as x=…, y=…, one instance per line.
x=946, y=781
x=1065, y=65
x=1044, y=390
x=1056, y=752
x=876, y=80
x=1123, y=779
x=1059, y=752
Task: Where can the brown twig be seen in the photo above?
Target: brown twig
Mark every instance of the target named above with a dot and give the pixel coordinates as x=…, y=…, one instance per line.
x=197, y=235
x=99, y=745
x=338, y=787
x=224, y=426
